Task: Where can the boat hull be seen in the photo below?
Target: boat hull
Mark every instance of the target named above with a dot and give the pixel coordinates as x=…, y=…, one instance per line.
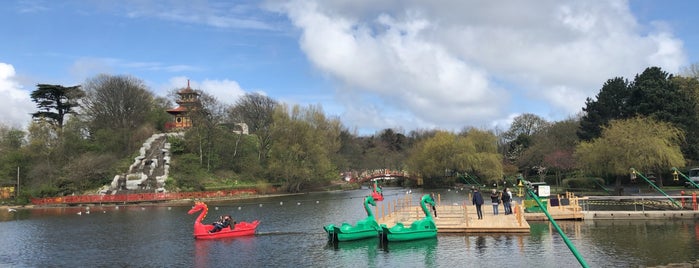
x=241, y=229
x=409, y=236
x=343, y=234
x=422, y=229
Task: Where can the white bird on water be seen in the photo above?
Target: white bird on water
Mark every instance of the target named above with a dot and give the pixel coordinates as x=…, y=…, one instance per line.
x=11, y=210
x=80, y=213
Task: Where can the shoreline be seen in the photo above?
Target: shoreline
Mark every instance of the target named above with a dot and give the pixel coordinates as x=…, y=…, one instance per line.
x=176, y=202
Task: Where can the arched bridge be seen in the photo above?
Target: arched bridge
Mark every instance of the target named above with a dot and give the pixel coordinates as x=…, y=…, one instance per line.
x=385, y=174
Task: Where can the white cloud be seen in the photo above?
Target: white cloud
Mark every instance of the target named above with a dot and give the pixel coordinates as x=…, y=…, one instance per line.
x=226, y=91
x=459, y=63
x=87, y=67
x=16, y=103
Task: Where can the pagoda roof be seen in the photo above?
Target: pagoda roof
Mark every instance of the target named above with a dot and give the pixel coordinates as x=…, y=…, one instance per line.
x=187, y=90
x=177, y=110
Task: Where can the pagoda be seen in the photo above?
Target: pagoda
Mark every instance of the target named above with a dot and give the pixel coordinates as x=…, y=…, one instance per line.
x=188, y=101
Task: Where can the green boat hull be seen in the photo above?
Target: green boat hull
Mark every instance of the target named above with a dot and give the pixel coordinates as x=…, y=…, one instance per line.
x=366, y=228
x=400, y=233
x=350, y=233
x=419, y=229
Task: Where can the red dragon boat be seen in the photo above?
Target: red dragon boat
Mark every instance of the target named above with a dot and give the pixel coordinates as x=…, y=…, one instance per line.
x=377, y=192
x=201, y=231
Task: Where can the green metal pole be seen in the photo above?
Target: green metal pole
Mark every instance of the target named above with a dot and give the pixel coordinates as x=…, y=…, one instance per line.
x=685, y=177
x=472, y=179
x=656, y=187
x=601, y=186
x=558, y=229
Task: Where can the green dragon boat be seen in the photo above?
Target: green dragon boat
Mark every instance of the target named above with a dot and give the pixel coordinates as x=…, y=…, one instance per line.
x=366, y=228
x=419, y=229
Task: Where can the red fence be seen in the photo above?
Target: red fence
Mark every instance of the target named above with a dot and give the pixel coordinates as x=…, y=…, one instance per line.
x=135, y=198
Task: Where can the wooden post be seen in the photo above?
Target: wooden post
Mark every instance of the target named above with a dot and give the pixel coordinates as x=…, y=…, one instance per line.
x=383, y=212
x=518, y=213
x=465, y=207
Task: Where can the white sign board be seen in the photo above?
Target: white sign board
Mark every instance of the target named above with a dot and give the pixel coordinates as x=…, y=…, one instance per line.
x=544, y=190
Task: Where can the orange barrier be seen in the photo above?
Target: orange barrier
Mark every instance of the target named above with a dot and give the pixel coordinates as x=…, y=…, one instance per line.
x=135, y=198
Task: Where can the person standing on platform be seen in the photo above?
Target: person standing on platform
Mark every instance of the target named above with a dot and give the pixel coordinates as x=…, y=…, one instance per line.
x=495, y=199
x=478, y=201
x=507, y=201
x=433, y=206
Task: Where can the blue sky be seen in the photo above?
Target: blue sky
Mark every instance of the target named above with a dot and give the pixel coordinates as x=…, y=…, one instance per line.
x=374, y=64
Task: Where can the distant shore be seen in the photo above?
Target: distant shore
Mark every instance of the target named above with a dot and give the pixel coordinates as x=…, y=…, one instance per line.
x=176, y=202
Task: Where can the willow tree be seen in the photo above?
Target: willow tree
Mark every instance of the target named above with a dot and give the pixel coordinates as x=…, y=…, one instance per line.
x=304, y=144
x=474, y=152
x=639, y=142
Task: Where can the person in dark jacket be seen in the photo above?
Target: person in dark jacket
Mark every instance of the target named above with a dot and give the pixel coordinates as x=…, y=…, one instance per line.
x=478, y=201
x=507, y=201
x=495, y=200
x=222, y=222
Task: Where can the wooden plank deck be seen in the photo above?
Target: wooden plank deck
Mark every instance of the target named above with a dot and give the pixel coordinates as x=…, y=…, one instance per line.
x=570, y=211
x=461, y=219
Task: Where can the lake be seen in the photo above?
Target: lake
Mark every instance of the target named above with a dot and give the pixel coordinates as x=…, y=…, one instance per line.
x=291, y=235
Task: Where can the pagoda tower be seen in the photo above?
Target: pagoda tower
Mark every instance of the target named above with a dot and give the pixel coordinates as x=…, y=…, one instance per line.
x=188, y=101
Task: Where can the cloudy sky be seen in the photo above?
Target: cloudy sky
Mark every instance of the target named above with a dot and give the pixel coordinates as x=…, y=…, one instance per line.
x=374, y=64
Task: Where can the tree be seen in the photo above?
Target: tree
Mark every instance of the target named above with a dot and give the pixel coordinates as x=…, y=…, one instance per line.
x=115, y=106
x=552, y=148
x=639, y=142
x=610, y=104
x=519, y=135
x=654, y=94
x=305, y=142
x=11, y=155
x=475, y=152
x=206, y=122
x=691, y=71
x=55, y=102
x=525, y=124
x=256, y=110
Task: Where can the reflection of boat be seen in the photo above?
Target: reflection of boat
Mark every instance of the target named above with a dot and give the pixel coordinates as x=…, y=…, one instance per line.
x=419, y=229
x=201, y=231
x=365, y=228
x=370, y=244
x=377, y=192
x=427, y=245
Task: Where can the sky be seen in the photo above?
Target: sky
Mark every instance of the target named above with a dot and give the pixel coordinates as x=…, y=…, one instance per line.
x=401, y=64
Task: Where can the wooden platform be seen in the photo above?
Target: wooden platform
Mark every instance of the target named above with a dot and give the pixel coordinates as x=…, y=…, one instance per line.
x=570, y=211
x=461, y=219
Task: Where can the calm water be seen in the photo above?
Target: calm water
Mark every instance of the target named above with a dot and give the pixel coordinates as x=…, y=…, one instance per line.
x=291, y=235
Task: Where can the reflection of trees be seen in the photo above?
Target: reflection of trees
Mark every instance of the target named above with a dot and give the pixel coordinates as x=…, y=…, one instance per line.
x=652, y=241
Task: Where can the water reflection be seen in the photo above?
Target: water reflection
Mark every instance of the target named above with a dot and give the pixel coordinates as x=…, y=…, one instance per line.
x=291, y=235
x=413, y=250
x=370, y=244
x=480, y=244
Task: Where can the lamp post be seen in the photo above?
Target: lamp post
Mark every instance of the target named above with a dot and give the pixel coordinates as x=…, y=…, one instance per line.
x=675, y=176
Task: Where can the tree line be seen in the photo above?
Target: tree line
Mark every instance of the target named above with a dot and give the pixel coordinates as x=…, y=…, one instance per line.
x=81, y=136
